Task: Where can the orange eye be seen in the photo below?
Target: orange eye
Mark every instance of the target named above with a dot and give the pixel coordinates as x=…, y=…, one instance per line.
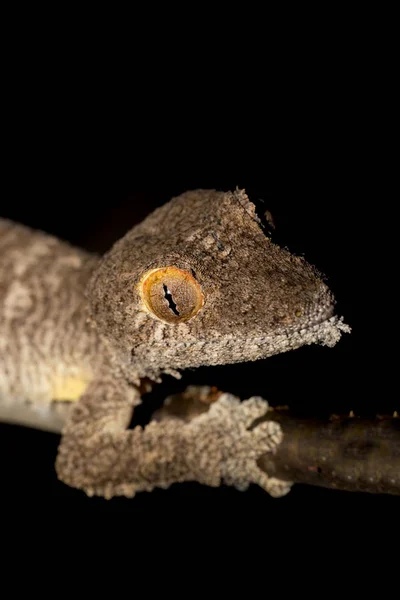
x=171, y=294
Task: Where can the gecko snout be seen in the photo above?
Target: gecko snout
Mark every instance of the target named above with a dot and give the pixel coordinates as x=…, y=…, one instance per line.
x=322, y=307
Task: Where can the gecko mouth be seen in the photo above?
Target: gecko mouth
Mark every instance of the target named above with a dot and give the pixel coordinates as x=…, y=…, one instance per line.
x=323, y=329
x=326, y=319
x=247, y=378
x=324, y=315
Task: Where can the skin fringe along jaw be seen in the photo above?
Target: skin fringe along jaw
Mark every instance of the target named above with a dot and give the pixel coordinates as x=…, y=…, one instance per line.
x=243, y=298
x=217, y=291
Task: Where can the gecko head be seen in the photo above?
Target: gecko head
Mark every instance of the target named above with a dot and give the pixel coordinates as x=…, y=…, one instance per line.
x=199, y=283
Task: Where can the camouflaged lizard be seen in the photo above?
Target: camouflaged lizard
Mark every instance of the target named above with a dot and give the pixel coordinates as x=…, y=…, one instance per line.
x=196, y=283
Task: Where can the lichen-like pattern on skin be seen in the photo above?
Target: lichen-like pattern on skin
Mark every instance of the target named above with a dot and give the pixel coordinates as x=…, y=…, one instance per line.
x=48, y=351
x=215, y=447
x=74, y=325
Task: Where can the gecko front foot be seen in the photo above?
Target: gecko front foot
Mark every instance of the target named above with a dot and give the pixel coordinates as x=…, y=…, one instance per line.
x=100, y=455
x=223, y=448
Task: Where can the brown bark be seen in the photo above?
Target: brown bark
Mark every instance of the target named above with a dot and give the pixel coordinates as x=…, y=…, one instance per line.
x=343, y=452
x=347, y=453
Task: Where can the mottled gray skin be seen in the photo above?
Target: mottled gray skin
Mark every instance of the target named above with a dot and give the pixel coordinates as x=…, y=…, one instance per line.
x=259, y=300
x=254, y=289
x=45, y=336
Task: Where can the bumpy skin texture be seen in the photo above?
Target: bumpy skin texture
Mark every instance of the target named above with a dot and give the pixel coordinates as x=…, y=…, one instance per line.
x=258, y=300
x=215, y=447
x=48, y=350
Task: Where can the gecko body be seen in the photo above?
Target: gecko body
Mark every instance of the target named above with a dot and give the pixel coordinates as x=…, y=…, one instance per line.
x=196, y=283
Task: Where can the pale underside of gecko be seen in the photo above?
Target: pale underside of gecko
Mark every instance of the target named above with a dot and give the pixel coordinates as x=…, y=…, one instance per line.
x=196, y=283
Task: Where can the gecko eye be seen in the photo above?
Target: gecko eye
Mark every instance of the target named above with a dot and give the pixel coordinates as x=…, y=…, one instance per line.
x=171, y=294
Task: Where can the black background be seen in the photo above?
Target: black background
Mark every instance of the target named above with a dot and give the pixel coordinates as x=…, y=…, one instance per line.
x=315, y=164
x=315, y=215
x=103, y=119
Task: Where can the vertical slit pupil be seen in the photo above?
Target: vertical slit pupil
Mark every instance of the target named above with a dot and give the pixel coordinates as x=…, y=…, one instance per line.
x=171, y=303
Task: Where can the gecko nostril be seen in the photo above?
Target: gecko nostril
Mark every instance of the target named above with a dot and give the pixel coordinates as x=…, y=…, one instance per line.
x=169, y=298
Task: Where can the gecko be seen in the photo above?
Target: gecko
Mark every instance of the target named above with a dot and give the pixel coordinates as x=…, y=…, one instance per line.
x=199, y=282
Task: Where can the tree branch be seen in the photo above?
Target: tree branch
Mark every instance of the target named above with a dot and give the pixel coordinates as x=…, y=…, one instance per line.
x=346, y=453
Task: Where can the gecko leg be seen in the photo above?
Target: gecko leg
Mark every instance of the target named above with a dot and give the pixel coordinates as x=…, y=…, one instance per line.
x=100, y=455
